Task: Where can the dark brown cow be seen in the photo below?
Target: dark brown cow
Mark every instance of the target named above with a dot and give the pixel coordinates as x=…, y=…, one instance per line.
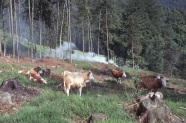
x=151, y=82
x=118, y=74
x=46, y=72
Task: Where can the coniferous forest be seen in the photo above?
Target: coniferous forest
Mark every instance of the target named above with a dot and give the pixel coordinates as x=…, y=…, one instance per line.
x=150, y=34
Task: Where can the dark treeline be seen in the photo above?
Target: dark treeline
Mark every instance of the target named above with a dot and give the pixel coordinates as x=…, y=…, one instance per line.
x=149, y=34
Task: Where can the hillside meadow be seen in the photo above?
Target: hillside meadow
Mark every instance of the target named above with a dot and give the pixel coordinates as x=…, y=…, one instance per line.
x=54, y=106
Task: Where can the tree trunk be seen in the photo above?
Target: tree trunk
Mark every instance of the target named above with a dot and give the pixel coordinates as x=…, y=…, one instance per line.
x=31, y=14
x=57, y=23
x=99, y=30
x=4, y=32
x=61, y=30
x=88, y=34
x=83, y=36
x=19, y=32
x=132, y=54
x=91, y=47
x=16, y=37
x=40, y=32
x=12, y=28
x=32, y=25
x=69, y=30
x=107, y=35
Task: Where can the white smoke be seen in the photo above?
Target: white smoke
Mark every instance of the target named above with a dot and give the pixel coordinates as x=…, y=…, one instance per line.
x=92, y=57
x=62, y=53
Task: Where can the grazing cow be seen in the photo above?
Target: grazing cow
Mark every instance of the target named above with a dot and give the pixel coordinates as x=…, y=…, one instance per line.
x=118, y=74
x=76, y=80
x=56, y=77
x=151, y=82
x=32, y=75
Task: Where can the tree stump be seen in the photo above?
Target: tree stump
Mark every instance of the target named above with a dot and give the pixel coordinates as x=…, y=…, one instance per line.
x=96, y=117
x=11, y=84
x=153, y=109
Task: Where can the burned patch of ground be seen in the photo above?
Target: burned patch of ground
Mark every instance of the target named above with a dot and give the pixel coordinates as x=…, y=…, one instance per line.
x=18, y=94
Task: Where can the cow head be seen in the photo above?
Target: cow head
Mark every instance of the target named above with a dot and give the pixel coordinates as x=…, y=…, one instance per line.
x=90, y=75
x=38, y=70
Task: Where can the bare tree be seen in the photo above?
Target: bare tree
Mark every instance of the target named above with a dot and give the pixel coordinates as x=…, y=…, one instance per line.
x=2, y=7
x=83, y=36
x=69, y=29
x=19, y=31
x=16, y=33
x=31, y=21
x=99, y=27
x=40, y=30
x=107, y=34
x=12, y=27
x=61, y=28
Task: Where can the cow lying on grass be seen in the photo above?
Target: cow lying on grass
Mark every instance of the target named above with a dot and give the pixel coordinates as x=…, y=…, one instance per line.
x=151, y=82
x=76, y=80
x=34, y=74
x=118, y=74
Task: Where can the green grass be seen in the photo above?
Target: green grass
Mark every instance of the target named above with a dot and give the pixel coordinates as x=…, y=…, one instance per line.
x=54, y=106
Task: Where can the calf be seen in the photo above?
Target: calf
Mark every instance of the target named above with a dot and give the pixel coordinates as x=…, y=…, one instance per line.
x=118, y=74
x=151, y=83
x=76, y=80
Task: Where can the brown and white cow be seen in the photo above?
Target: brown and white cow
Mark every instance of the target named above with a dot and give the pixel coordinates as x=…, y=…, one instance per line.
x=33, y=75
x=118, y=74
x=76, y=80
x=151, y=82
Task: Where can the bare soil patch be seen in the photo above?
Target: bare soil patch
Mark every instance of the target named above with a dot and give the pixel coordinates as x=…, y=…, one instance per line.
x=18, y=94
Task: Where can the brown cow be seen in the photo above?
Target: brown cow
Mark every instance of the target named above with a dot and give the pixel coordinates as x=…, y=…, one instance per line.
x=118, y=74
x=76, y=80
x=151, y=82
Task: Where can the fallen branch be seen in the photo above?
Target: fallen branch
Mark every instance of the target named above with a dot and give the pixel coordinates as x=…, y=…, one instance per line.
x=183, y=108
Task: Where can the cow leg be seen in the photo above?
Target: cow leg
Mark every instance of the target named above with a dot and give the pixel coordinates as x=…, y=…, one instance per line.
x=80, y=90
x=66, y=88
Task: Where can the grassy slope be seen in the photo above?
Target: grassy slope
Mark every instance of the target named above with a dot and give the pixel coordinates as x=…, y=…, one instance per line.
x=53, y=106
